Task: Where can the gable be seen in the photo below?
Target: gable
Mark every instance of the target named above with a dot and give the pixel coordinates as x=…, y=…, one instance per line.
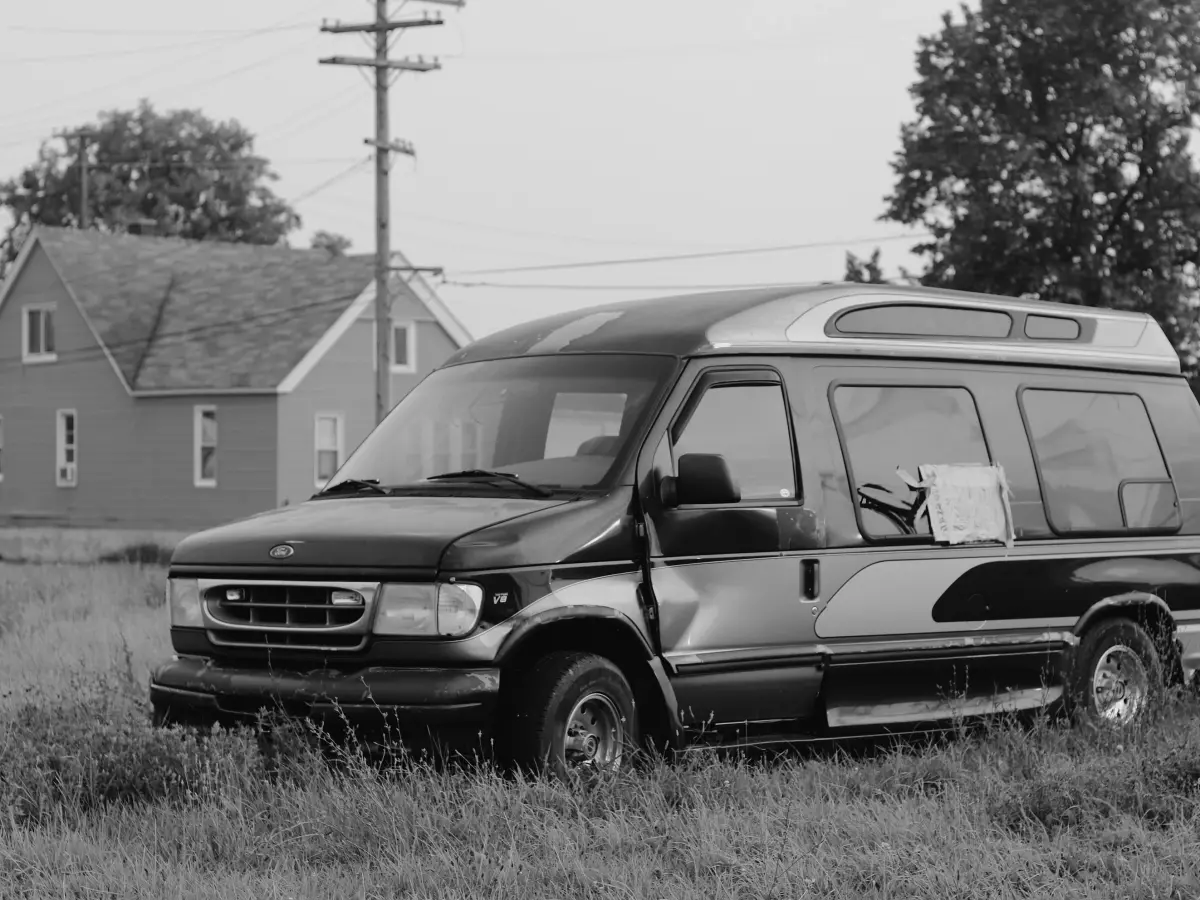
x=36, y=281
x=203, y=316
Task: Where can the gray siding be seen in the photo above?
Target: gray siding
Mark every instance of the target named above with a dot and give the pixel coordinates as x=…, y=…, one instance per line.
x=135, y=456
x=343, y=382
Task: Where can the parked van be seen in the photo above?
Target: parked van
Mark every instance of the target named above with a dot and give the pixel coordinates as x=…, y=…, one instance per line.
x=753, y=516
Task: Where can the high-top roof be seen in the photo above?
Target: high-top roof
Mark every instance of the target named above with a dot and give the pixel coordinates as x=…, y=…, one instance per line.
x=187, y=315
x=858, y=319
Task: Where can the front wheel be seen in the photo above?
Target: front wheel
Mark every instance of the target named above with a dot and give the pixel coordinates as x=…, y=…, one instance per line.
x=1118, y=675
x=572, y=711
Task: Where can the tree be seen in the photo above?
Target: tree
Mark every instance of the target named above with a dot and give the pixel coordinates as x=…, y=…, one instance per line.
x=194, y=177
x=336, y=244
x=1049, y=155
x=867, y=272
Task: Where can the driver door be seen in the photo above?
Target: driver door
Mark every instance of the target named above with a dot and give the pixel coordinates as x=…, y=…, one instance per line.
x=733, y=624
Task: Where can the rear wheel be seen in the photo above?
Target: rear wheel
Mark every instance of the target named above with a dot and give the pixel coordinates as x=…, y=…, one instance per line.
x=1118, y=675
x=572, y=712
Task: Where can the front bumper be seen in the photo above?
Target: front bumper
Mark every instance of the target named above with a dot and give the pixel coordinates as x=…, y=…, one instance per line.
x=188, y=690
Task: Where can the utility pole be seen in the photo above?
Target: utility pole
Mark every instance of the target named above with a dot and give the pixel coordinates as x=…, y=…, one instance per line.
x=385, y=146
x=82, y=136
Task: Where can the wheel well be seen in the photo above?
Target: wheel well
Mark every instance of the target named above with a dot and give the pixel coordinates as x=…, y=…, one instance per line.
x=604, y=637
x=1158, y=624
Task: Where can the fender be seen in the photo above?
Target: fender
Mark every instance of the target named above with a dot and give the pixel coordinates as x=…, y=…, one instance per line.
x=1129, y=599
x=527, y=629
x=527, y=626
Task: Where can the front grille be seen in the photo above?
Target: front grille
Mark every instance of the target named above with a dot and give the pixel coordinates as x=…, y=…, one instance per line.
x=313, y=616
x=290, y=640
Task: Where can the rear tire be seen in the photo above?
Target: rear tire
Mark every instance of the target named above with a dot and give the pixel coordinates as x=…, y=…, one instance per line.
x=1117, y=679
x=571, y=712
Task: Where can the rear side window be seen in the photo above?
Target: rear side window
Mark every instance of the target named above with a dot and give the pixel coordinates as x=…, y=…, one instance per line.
x=1099, y=462
x=748, y=425
x=883, y=428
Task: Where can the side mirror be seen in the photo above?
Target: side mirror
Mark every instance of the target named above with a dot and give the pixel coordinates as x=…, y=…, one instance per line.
x=703, y=478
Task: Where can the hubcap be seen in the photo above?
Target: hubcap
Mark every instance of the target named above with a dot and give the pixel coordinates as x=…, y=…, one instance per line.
x=595, y=733
x=1120, y=685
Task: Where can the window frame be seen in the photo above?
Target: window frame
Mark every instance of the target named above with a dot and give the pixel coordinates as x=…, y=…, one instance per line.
x=198, y=412
x=1125, y=531
x=60, y=447
x=339, y=438
x=28, y=356
x=843, y=446
x=409, y=367
x=741, y=376
x=1, y=448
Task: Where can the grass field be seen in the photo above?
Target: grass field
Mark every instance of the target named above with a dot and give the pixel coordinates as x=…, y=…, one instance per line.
x=94, y=803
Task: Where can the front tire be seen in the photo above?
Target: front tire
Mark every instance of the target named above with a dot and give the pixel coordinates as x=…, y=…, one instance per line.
x=1118, y=675
x=572, y=711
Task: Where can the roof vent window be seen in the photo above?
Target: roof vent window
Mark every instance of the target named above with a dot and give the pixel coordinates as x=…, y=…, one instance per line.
x=920, y=321
x=1051, y=328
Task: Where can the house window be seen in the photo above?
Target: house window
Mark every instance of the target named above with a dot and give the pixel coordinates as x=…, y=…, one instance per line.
x=329, y=446
x=404, y=347
x=66, y=472
x=1099, y=462
x=37, y=333
x=205, y=438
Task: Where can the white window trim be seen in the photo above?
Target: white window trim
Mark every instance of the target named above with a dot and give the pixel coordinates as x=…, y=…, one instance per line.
x=60, y=447
x=410, y=331
x=26, y=356
x=340, y=431
x=1, y=449
x=410, y=340
x=197, y=433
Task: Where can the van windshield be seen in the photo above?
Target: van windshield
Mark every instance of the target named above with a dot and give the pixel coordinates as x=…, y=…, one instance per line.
x=557, y=422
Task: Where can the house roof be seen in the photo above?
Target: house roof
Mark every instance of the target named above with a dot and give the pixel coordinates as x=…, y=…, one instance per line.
x=180, y=315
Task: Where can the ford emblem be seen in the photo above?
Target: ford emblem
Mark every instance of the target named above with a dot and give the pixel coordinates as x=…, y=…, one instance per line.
x=281, y=551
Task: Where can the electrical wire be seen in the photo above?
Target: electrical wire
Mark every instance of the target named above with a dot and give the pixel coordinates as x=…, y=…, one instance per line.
x=329, y=182
x=12, y=117
x=179, y=336
x=708, y=254
x=132, y=32
x=630, y=287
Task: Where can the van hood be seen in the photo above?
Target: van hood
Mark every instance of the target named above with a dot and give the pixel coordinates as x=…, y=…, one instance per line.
x=369, y=532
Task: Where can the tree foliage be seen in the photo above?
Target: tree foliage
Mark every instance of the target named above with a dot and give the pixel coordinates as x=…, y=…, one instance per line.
x=1050, y=155
x=335, y=244
x=194, y=177
x=866, y=271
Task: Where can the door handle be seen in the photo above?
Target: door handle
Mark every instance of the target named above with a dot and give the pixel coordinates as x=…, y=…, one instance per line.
x=812, y=579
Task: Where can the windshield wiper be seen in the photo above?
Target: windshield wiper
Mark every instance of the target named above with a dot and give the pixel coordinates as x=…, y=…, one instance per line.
x=488, y=473
x=356, y=484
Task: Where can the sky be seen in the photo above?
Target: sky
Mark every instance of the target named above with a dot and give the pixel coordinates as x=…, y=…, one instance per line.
x=556, y=131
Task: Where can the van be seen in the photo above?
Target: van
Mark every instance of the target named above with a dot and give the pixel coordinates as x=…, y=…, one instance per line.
x=752, y=516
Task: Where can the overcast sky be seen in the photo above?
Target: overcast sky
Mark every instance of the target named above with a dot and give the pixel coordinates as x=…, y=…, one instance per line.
x=557, y=131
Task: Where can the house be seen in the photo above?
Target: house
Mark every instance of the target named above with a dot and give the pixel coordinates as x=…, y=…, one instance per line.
x=152, y=384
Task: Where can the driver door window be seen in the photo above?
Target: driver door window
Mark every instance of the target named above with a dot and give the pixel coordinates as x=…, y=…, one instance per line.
x=747, y=425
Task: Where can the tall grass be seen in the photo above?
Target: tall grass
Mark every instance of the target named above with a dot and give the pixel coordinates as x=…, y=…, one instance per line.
x=93, y=802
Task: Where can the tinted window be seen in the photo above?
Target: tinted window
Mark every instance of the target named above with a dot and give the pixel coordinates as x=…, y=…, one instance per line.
x=559, y=421
x=747, y=424
x=1086, y=445
x=1051, y=328
x=888, y=427
x=926, y=321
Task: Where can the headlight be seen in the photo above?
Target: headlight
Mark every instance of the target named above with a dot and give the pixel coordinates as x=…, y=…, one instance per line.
x=426, y=610
x=183, y=595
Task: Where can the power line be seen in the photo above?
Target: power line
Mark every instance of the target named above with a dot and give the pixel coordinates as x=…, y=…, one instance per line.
x=91, y=354
x=330, y=181
x=141, y=76
x=65, y=58
x=708, y=254
x=631, y=287
x=133, y=32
